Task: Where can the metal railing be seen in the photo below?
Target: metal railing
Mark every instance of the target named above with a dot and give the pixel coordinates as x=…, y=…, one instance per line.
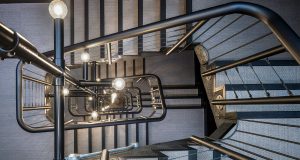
x=158, y=108
x=288, y=38
x=222, y=150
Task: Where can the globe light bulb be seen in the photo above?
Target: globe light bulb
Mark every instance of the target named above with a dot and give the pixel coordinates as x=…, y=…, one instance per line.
x=66, y=91
x=58, y=9
x=94, y=115
x=98, y=79
x=118, y=83
x=113, y=97
x=90, y=98
x=85, y=57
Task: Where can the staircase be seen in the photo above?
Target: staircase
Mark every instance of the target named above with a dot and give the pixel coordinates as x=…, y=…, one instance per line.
x=242, y=69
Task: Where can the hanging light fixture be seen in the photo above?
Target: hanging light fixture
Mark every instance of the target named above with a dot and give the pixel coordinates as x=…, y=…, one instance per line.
x=58, y=9
x=94, y=115
x=113, y=97
x=118, y=83
x=85, y=56
x=66, y=91
x=90, y=98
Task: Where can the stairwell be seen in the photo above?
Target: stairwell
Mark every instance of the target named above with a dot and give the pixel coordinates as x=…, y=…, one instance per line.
x=259, y=131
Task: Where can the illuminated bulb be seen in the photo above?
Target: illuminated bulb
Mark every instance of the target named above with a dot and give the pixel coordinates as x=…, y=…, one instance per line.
x=85, y=57
x=113, y=97
x=94, y=114
x=104, y=91
x=90, y=98
x=98, y=79
x=58, y=9
x=102, y=109
x=118, y=83
x=66, y=91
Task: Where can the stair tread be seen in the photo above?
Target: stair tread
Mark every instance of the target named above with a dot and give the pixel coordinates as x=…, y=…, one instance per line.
x=154, y=150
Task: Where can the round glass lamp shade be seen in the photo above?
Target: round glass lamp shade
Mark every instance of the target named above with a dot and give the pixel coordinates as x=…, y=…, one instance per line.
x=66, y=91
x=118, y=83
x=94, y=115
x=85, y=57
x=58, y=9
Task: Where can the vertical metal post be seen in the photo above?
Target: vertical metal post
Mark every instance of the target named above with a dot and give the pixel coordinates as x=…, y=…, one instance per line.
x=85, y=71
x=126, y=126
x=108, y=50
x=59, y=98
x=72, y=40
x=163, y=40
x=140, y=23
x=189, y=10
x=93, y=71
x=102, y=27
x=120, y=25
x=93, y=78
x=72, y=29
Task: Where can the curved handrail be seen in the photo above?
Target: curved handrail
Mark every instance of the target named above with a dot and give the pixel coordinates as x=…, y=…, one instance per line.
x=284, y=33
x=81, y=125
x=28, y=53
x=126, y=110
x=223, y=150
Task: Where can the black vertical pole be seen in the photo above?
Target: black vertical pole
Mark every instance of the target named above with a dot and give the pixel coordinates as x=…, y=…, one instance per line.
x=137, y=129
x=86, y=65
x=120, y=25
x=72, y=29
x=114, y=116
x=163, y=40
x=102, y=29
x=72, y=40
x=189, y=10
x=102, y=55
x=93, y=71
x=126, y=126
x=140, y=23
x=85, y=71
x=59, y=98
x=147, y=124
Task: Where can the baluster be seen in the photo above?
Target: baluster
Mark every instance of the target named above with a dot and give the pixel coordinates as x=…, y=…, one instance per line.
x=24, y=93
x=262, y=85
x=35, y=94
x=236, y=96
x=201, y=34
x=237, y=70
x=290, y=93
x=31, y=94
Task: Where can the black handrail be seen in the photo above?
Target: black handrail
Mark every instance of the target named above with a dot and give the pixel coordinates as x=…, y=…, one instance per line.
x=285, y=34
x=260, y=100
x=70, y=126
x=266, y=53
x=219, y=148
x=126, y=110
x=28, y=53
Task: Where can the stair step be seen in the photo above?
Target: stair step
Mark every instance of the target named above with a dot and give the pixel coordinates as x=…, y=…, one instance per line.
x=189, y=106
x=268, y=114
x=176, y=97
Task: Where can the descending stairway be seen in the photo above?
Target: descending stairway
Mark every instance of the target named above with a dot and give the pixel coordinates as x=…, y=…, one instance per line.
x=107, y=17
x=248, y=122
